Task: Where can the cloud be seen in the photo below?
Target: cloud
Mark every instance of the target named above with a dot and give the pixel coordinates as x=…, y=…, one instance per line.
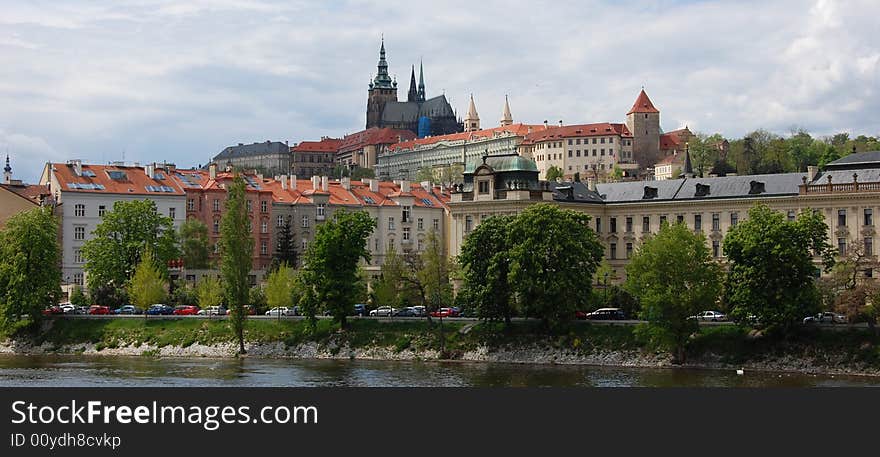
x=176, y=81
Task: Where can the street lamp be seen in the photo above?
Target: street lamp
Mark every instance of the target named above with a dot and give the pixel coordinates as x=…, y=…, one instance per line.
x=606, y=289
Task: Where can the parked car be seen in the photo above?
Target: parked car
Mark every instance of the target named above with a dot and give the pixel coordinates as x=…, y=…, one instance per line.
x=419, y=310
x=383, y=311
x=606, y=314
x=159, y=309
x=442, y=312
x=455, y=311
x=360, y=309
x=68, y=308
x=405, y=312
x=580, y=315
x=826, y=317
x=128, y=309
x=186, y=310
x=99, y=310
x=712, y=316
x=278, y=311
x=212, y=311
x=82, y=310
x=52, y=310
x=249, y=310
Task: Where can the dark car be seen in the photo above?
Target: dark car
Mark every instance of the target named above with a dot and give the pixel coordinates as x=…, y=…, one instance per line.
x=158, y=309
x=99, y=310
x=186, y=310
x=53, y=310
x=606, y=314
x=128, y=309
x=360, y=309
x=404, y=312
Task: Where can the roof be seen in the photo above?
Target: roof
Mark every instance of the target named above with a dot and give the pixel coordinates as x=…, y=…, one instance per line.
x=504, y=163
x=576, y=131
x=669, y=141
x=507, y=130
x=32, y=192
x=434, y=107
x=374, y=136
x=325, y=145
x=674, y=159
x=109, y=179
x=868, y=159
x=243, y=150
x=643, y=104
x=781, y=184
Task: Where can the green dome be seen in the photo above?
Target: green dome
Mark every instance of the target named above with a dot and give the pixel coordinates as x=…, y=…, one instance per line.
x=505, y=163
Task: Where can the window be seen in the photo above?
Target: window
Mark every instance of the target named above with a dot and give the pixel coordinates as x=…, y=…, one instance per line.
x=172, y=212
x=662, y=219
x=484, y=187
x=679, y=219
x=421, y=245
x=734, y=219
x=698, y=222
x=319, y=211
x=77, y=256
x=101, y=210
x=390, y=223
x=841, y=246
x=468, y=224
x=79, y=232
x=716, y=248
x=216, y=204
x=646, y=224
x=421, y=224
x=390, y=243
x=264, y=247
x=594, y=141
x=629, y=250
x=841, y=217
x=569, y=142
x=598, y=225
x=190, y=204
x=264, y=226
x=406, y=234
x=78, y=278
x=216, y=248
x=264, y=206
x=612, y=248
x=613, y=227
x=79, y=210
x=305, y=221
x=791, y=215
x=376, y=245
x=569, y=153
x=304, y=244
x=279, y=221
x=869, y=216
x=406, y=214
x=436, y=224
x=250, y=206
x=716, y=222
x=216, y=225
x=869, y=246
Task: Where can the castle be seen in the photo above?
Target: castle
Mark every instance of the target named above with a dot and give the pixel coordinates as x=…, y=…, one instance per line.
x=418, y=114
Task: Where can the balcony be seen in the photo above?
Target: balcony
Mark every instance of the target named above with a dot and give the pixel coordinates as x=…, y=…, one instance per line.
x=832, y=188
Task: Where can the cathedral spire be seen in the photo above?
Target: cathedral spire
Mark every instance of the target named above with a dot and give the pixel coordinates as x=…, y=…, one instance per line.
x=421, y=82
x=382, y=80
x=506, y=117
x=472, y=120
x=413, y=95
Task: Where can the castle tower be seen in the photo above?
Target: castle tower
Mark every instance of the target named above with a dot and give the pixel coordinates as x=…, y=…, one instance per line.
x=413, y=94
x=472, y=120
x=643, y=121
x=7, y=171
x=506, y=118
x=421, y=92
x=382, y=90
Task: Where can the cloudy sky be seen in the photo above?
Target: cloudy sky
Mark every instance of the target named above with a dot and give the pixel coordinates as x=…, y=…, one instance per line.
x=178, y=81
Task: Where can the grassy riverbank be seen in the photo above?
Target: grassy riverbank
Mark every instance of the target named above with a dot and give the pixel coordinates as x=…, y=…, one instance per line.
x=813, y=350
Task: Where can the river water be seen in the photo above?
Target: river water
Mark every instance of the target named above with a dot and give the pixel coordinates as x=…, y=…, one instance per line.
x=69, y=371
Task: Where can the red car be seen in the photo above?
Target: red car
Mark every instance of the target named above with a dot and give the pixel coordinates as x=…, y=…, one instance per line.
x=442, y=312
x=187, y=310
x=52, y=310
x=97, y=309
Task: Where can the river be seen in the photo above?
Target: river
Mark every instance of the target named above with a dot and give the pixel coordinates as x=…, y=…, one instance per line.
x=70, y=371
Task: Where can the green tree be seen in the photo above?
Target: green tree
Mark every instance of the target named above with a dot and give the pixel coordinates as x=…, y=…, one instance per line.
x=285, y=248
x=194, y=244
x=30, y=277
x=125, y=232
x=359, y=173
x=209, y=292
x=674, y=277
x=280, y=287
x=434, y=273
x=425, y=174
x=257, y=298
x=78, y=297
x=386, y=290
x=485, y=262
x=553, y=254
x=330, y=273
x=236, y=251
x=184, y=295
x=147, y=285
x=553, y=173
x=771, y=273
x=616, y=173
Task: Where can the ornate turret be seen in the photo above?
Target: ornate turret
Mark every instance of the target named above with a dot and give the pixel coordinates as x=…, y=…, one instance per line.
x=7, y=171
x=472, y=120
x=382, y=80
x=382, y=90
x=421, y=92
x=506, y=117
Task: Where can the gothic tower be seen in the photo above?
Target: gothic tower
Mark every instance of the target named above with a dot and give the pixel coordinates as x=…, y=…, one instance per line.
x=413, y=94
x=506, y=117
x=421, y=92
x=382, y=90
x=643, y=121
x=472, y=120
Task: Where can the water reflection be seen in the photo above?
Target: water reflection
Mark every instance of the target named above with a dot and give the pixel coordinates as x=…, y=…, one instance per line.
x=17, y=370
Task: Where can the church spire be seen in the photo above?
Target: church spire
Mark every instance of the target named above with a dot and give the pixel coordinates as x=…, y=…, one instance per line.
x=7, y=171
x=382, y=80
x=472, y=120
x=688, y=167
x=421, y=82
x=506, y=117
x=413, y=94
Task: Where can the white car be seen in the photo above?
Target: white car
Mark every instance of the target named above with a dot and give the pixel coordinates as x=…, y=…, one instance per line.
x=383, y=311
x=211, y=311
x=826, y=317
x=68, y=308
x=712, y=316
x=282, y=311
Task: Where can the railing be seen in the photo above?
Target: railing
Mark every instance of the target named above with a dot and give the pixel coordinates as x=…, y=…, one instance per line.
x=839, y=188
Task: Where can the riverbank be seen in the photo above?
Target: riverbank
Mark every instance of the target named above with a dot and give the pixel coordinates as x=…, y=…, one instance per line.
x=851, y=352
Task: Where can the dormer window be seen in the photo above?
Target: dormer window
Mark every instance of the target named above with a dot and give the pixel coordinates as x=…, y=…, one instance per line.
x=756, y=187
x=483, y=187
x=702, y=190
x=650, y=192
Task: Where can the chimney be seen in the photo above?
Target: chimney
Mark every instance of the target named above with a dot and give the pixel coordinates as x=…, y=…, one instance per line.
x=77, y=166
x=560, y=122
x=283, y=180
x=427, y=185
x=325, y=183
x=812, y=172
x=545, y=124
x=150, y=171
x=591, y=184
x=316, y=182
x=212, y=171
x=404, y=186
x=292, y=182
x=346, y=182
x=374, y=185
x=260, y=177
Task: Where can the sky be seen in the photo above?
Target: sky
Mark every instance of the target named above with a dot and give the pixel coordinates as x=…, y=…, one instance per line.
x=154, y=80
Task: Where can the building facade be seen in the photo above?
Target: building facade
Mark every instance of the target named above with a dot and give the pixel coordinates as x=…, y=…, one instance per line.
x=313, y=158
x=589, y=150
x=270, y=157
x=361, y=149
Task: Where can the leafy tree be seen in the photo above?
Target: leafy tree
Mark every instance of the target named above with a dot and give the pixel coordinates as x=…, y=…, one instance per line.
x=194, y=244
x=618, y=297
x=553, y=254
x=771, y=271
x=434, y=273
x=359, y=173
x=285, y=248
x=236, y=250
x=147, y=286
x=425, y=174
x=30, y=277
x=78, y=297
x=485, y=262
x=330, y=273
x=209, y=292
x=184, y=295
x=553, y=173
x=257, y=298
x=280, y=287
x=860, y=304
x=674, y=277
x=386, y=291
x=131, y=228
x=616, y=173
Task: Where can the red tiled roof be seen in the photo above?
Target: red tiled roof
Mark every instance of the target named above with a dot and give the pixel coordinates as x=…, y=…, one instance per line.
x=30, y=192
x=672, y=159
x=514, y=129
x=670, y=141
x=643, y=104
x=578, y=130
x=135, y=181
x=325, y=145
x=373, y=136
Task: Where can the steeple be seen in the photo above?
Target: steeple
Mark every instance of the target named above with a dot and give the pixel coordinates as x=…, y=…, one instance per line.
x=688, y=168
x=421, y=82
x=7, y=171
x=506, y=117
x=413, y=94
x=643, y=104
x=472, y=120
x=382, y=80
